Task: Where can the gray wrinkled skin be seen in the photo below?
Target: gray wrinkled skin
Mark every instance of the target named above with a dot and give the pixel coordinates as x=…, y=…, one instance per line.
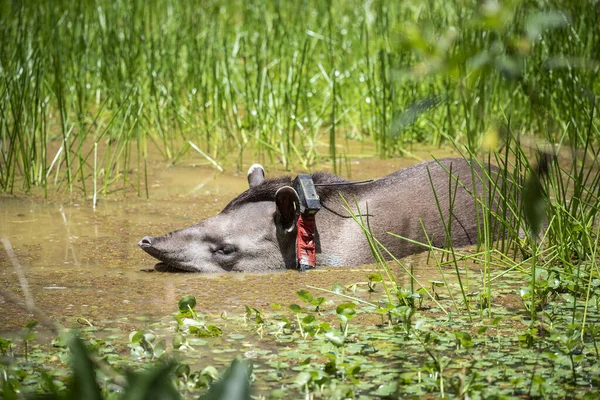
x=256, y=231
x=239, y=240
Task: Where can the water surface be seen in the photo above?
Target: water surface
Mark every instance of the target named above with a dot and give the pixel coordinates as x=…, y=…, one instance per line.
x=80, y=262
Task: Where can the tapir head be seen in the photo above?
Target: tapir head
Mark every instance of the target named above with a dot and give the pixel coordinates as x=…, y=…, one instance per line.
x=255, y=232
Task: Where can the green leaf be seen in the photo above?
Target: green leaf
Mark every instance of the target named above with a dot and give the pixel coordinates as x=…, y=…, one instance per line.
x=296, y=308
x=210, y=371
x=29, y=336
x=318, y=301
x=335, y=339
x=306, y=361
x=136, y=336
x=235, y=384
x=182, y=370
x=346, y=310
x=303, y=378
x=186, y=303
x=154, y=383
x=84, y=385
x=338, y=288
x=305, y=295
x=251, y=310
x=5, y=344
x=31, y=324
x=214, y=330
x=353, y=370
x=178, y=340
x=325, y=326
x=149, y=337
x=386, y=390
x=160, y=348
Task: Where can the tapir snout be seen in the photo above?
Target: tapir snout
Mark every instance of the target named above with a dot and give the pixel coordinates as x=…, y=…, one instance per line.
x=145, y=242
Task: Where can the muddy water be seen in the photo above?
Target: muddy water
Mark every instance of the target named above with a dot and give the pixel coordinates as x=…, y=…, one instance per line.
x=77, y=262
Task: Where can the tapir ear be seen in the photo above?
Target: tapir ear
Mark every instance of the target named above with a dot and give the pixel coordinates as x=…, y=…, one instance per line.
x=256, y=175
x=288, y=204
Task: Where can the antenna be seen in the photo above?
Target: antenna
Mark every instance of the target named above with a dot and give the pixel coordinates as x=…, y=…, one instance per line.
x=344, y=183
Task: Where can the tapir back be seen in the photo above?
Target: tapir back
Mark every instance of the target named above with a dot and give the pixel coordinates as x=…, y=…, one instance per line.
x=420, y=203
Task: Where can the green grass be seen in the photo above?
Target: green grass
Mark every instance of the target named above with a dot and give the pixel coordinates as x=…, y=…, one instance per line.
x=281, y=82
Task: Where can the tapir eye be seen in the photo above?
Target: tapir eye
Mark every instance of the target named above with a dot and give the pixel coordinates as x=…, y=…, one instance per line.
x=225, y=250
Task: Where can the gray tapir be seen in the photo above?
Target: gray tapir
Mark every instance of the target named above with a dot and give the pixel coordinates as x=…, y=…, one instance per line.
x=256, y=231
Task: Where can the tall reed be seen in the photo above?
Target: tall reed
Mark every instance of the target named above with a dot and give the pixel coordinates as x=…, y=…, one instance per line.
x=284, y=81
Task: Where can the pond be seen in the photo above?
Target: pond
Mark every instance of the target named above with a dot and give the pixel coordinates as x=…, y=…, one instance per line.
x=85, y=262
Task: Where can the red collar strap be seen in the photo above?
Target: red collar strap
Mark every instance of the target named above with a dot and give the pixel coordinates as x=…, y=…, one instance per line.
x=306, y=247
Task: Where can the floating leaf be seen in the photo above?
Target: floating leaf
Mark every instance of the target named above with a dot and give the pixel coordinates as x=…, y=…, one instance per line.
x=160, y=348
x=386, y=390
x=306, y=361
x=236, y=336
x=303, y=378
x=336, y=339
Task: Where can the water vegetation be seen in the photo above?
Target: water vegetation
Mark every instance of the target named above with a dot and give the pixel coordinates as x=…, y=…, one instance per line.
x=300, y=350
x=91, y=90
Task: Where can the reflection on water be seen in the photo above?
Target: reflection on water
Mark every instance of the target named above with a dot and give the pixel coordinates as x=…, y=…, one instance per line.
x=81, y=262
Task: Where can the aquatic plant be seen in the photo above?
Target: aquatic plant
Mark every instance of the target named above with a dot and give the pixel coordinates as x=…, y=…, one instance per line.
x=416, y=353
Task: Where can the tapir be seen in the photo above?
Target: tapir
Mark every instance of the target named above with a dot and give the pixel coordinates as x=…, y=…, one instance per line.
x=257, y=230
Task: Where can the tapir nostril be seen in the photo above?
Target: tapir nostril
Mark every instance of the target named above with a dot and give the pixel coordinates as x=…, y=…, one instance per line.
x=145, y=242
